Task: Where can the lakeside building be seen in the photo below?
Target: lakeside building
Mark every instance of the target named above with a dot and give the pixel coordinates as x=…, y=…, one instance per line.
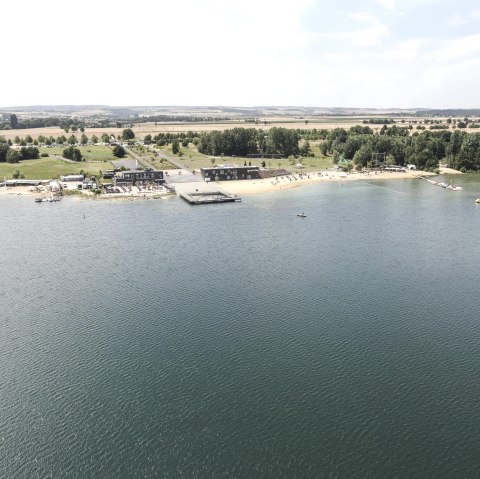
x=230, y=172
x=18, y=182
x=72, y=178
x=133, y=177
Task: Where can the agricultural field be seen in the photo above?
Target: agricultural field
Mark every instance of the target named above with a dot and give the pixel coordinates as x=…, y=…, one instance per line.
x=56, y=131
x=327, y=122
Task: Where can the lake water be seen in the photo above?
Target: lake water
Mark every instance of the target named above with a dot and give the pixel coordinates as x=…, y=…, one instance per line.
x=159, y=339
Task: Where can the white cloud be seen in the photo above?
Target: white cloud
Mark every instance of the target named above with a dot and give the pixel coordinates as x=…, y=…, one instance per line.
x=388, y=4
x=461, y=19
x=368, y=36
x=224, y=52
x=458, y=48
x=405, y=51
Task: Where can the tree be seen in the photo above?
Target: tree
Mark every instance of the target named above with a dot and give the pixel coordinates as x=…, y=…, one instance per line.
x=16, y=140
x=127, y=134
x=390, y=161
x=105, y=138
x=119, y=151
x=13, y=121
x=72, y=140
x=72, y=153
x=469, y=155
x=66, y=129
x=29, y=139
x=324, y=148
x=84, y=139
x=175, y=147
x=363, y=155
x=13, y=156
x=305, y=149
x=94, y=139
x=4, y=149
x=29, y=153
x=148, y=139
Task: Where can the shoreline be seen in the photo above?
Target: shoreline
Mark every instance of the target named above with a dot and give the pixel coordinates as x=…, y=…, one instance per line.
x=256, y=186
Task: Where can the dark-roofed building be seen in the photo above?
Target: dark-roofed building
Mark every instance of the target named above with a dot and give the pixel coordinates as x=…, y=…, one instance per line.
x=139, y=177
x=230, y=172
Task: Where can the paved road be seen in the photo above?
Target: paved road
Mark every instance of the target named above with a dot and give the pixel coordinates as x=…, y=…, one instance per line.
x=141, y=161
x=172, y=159
x=171, y=177
x=66, y=160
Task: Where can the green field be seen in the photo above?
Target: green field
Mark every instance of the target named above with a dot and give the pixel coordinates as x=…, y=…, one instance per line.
x=192, y=159
x=97, y=158
x=90, y=153
x=47, y=168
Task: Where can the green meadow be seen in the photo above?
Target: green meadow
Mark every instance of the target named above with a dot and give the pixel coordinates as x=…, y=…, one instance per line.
x=97, y=158
x=192, y=159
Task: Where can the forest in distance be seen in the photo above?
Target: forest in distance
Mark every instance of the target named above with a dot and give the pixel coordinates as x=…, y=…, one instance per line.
x=424, y=149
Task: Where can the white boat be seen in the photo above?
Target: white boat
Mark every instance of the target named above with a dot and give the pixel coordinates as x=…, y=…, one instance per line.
x=301, y=215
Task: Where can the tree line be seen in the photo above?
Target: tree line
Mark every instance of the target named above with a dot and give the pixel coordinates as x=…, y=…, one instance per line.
x=13, y=155
x=245, y=141
x=13, y=122
x=425, y=149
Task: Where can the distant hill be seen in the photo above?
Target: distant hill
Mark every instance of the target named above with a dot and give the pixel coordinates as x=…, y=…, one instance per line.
x=216, y=111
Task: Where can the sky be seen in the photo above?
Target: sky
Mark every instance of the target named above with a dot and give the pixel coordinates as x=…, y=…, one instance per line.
x=352, y=53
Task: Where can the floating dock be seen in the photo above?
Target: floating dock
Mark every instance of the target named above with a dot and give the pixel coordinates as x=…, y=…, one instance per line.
x=206, y=197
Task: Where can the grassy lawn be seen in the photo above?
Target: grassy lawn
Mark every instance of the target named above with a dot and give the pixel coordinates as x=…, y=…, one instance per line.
x=195, y=160
x=46, y=168
x=90, y=153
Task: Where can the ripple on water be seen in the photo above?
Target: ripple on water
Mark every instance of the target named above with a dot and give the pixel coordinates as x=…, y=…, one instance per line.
x=238, y=342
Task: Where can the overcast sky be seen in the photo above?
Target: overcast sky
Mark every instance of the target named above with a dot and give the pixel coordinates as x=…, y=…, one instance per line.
x=352, y=53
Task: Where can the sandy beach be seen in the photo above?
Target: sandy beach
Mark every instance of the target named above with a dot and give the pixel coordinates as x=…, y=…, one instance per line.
x=246, y=187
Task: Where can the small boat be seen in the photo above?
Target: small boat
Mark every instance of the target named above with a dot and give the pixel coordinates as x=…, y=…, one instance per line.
x=38, y=200
x=477, y=200
x=301, y=215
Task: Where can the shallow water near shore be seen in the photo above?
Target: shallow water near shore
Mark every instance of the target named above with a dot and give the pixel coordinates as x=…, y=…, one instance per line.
x=159, y=339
